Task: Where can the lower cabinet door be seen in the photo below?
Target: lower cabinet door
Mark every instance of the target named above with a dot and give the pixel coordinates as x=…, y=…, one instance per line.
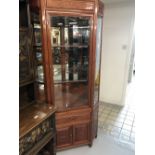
x=81, y=134
x=64, y=137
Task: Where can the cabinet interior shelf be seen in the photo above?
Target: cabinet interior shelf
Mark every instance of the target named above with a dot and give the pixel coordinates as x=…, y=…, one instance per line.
x=71, y=27
x=24, y=28
x=67, y=81
x=25, y=83
x=39, y=81
x=37, y=45
x=39, y=63
x=72, y=46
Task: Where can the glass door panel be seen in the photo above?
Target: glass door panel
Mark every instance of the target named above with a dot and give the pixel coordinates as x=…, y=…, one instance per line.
x=38, y=57
x=98, y=55
x=70, y=38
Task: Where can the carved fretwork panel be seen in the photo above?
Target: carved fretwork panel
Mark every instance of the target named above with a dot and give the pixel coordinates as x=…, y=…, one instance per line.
x=34, y=136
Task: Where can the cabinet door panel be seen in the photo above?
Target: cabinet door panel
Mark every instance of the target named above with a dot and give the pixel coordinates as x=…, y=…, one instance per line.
x=81, y=133
x=70, y=50
x=98, y=60
x=64, y=137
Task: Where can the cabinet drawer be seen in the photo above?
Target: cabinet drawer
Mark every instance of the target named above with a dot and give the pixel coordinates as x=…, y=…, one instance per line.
x=73, y=117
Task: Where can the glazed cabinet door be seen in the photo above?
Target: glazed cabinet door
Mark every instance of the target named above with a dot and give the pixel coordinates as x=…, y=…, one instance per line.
x=70, y=49
x=81, y=133
x=97, y=75
x=98, y=59
x=64, y=136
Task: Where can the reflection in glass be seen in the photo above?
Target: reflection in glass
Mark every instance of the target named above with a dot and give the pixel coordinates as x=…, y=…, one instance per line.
x=70, y=53
x=40, y=73
x=98, y=54
x=38, y=57
x=37, y=34
x=73, y=61
x=70, y=30
x=69, y=39
x=40, y=92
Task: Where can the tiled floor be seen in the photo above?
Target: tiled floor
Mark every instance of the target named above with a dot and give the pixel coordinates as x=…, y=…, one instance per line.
x=102, y=145
x=118, y=121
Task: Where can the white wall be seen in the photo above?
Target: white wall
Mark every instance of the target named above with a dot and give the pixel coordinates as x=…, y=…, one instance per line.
x=118, y=26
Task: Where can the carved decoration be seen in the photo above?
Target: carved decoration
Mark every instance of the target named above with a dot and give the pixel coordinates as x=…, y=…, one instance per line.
x=25, y=41
x=30, y=139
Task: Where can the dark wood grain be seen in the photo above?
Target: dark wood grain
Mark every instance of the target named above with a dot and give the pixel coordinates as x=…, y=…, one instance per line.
x=64, y=136
x=72, y=117
x=32, y=116
x=81, y=133
x=70, y=95
x=71, y=4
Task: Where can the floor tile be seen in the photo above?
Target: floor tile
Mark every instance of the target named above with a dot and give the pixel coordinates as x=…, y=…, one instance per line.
x=106, y=111
x=121, y=120
x=116, y=110
x=128, y=122
x=130, y=117
x=124, y=112
x=126, y=132
x=108, y=121
x=126, y=127
x=111, y=117
x=124, y=137
x=115, y=134
x=129, y=114
x=118, y=124
x=116, y=129
x=113, y=114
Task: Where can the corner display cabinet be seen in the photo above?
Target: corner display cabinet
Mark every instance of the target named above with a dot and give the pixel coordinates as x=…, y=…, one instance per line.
x=71, y=45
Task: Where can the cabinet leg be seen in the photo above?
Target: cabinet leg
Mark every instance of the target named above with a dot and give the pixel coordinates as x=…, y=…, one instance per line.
x=90, y=145
x=96, y=136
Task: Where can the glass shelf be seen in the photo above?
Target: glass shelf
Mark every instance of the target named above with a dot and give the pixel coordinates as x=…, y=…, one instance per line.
x=71, y=45
x=67, y=81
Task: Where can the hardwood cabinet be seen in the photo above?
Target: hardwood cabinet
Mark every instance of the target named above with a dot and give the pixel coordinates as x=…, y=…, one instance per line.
x=37, y=133
x=31, y=66
x=71, y=45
